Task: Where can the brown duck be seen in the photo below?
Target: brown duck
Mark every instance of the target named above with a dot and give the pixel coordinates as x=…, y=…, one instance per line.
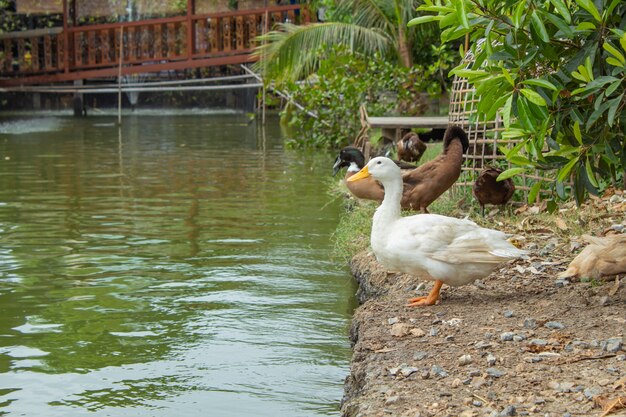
x=488, y=190
x=422, y=185
x=410, y=147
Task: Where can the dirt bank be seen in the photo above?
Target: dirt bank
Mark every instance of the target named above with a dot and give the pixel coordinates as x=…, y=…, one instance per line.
x=521, y=342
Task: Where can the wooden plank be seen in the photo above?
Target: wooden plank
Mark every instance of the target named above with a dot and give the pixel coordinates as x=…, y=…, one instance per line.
x=105, y=47
x=171, y=40
x=240, y=32
x=21, y=51
x=78, y=49
x=214, y=32
x=227, y=33
x=34, y=51
x=147, y=41
x=47, y=52
x=433, y=122
x=130, y=45
x=91, y=47
x=158, y=41
x=61, y=48
x=252, y=30
x=201, y=37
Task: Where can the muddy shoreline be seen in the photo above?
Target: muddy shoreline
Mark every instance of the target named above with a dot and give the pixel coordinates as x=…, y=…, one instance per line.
x=520, y=342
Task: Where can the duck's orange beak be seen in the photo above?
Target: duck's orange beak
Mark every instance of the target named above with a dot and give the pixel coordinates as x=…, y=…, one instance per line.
x=363, y=173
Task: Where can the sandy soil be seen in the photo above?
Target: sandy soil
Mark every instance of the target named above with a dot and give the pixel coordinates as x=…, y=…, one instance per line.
x=520, y=342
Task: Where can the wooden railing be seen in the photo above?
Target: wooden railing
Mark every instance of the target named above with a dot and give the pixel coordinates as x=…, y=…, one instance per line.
x=174, y=39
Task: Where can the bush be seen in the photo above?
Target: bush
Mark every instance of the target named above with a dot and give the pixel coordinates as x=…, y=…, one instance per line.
x=345, y=81
x=556, y=71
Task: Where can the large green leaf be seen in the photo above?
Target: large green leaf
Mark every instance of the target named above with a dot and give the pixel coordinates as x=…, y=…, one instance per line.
x=533, y=96
x=562, y=9
x=591, y=8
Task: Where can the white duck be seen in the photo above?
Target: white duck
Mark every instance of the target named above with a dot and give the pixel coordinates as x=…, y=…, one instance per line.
x=438, y=248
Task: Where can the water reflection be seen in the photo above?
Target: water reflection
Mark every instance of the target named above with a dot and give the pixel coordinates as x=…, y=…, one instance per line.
x=178, y=264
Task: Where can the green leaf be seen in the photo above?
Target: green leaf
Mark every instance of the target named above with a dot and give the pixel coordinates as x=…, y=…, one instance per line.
x=577, y=134
x=511, y=172
x=508, y=77
x=517, y=16
x=562, y=9
x=462, y=14
x=506, y=112
x=590, y=174
x=613, y=106
x=540, y=83
x=534, y=192
x=614, y=86
x=613, y=51
x=584, y=26
x=565, y=171
x=591, y=8
x=614, y=62
x=560, y=24
x=533, y=96
x=622, y=41
x=589, y=67
x=423, y=19
x=539, y=27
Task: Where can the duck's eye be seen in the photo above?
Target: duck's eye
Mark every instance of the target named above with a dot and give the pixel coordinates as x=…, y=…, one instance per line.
x=379, y=162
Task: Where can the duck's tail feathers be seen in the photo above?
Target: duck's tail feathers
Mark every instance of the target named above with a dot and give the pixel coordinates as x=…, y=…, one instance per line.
x=455, y=132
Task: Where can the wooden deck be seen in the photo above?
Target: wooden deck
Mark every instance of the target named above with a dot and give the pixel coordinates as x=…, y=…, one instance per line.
x=175, y=43
x=392, y=126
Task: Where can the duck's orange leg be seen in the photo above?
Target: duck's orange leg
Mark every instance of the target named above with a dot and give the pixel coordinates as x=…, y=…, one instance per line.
x=429, y=299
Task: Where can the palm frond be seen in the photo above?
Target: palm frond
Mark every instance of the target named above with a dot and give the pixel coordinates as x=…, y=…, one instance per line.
x=292, y=52
x=370, y=13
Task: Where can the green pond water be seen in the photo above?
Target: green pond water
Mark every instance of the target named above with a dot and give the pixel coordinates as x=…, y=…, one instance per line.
x=176, y=266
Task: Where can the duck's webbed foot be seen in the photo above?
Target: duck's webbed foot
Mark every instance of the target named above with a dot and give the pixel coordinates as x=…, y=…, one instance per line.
x=428, y=300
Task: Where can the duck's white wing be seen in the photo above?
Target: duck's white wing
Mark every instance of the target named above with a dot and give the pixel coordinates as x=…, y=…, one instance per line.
x=450, y=240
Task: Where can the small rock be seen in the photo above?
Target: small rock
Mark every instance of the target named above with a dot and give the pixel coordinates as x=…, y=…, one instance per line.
x=561, y=282
x=530, y=323
x=613, y=345
x=392, y=320
x=621, y=357
x=465, y=360
x=408, y=370
x=433, y=332
x=438, y=371
x=538, y=342
x=473, y=372
x=478, y=382
x=615, y=199
x=495, y=373
x=506, y=336
x=508, y=411
x=508, y=314
x=519, y=338
x=533, y=359
x=592, y=392
x=491, y=360
x=456, y=383
x=548, y=249
x=617, y=227
x=392, y=400
x=477, y=403
x=449, y=338
x=400, y=329
x=418, y=356
x=417, y=332
x=554, y=325
x=561, y=386
x=482, y=345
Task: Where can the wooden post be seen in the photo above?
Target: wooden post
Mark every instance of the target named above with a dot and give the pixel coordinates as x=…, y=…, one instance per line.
x=190, y=40
x=66, y=36
x=119, y=78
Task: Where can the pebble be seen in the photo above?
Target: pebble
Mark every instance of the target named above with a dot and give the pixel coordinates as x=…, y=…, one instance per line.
x=530, y=323
x=561, y=282
x=477, y=403
x=439, y=371
x=482, y=344
x=392, y=400
x=538, y=342
x=519, y=338
x=613, y=345
x=554, y=325
x=403, y=369
x=508, y=411
x=561, y=386
x=548, y=249
x=495, y=373
x=392, y=320
x=508, y=314
x=465, y=360
x=433, y=332
x=618, y=227
x=592, y=392
x=418, y=356
x=506, y=336
x=491, y=360
x=400, y=329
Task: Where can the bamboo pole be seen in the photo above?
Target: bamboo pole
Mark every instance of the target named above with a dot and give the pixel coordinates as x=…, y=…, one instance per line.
x=119, y=78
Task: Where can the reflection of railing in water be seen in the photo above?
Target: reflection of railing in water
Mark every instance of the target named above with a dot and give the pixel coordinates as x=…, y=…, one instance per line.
x=182, y=42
